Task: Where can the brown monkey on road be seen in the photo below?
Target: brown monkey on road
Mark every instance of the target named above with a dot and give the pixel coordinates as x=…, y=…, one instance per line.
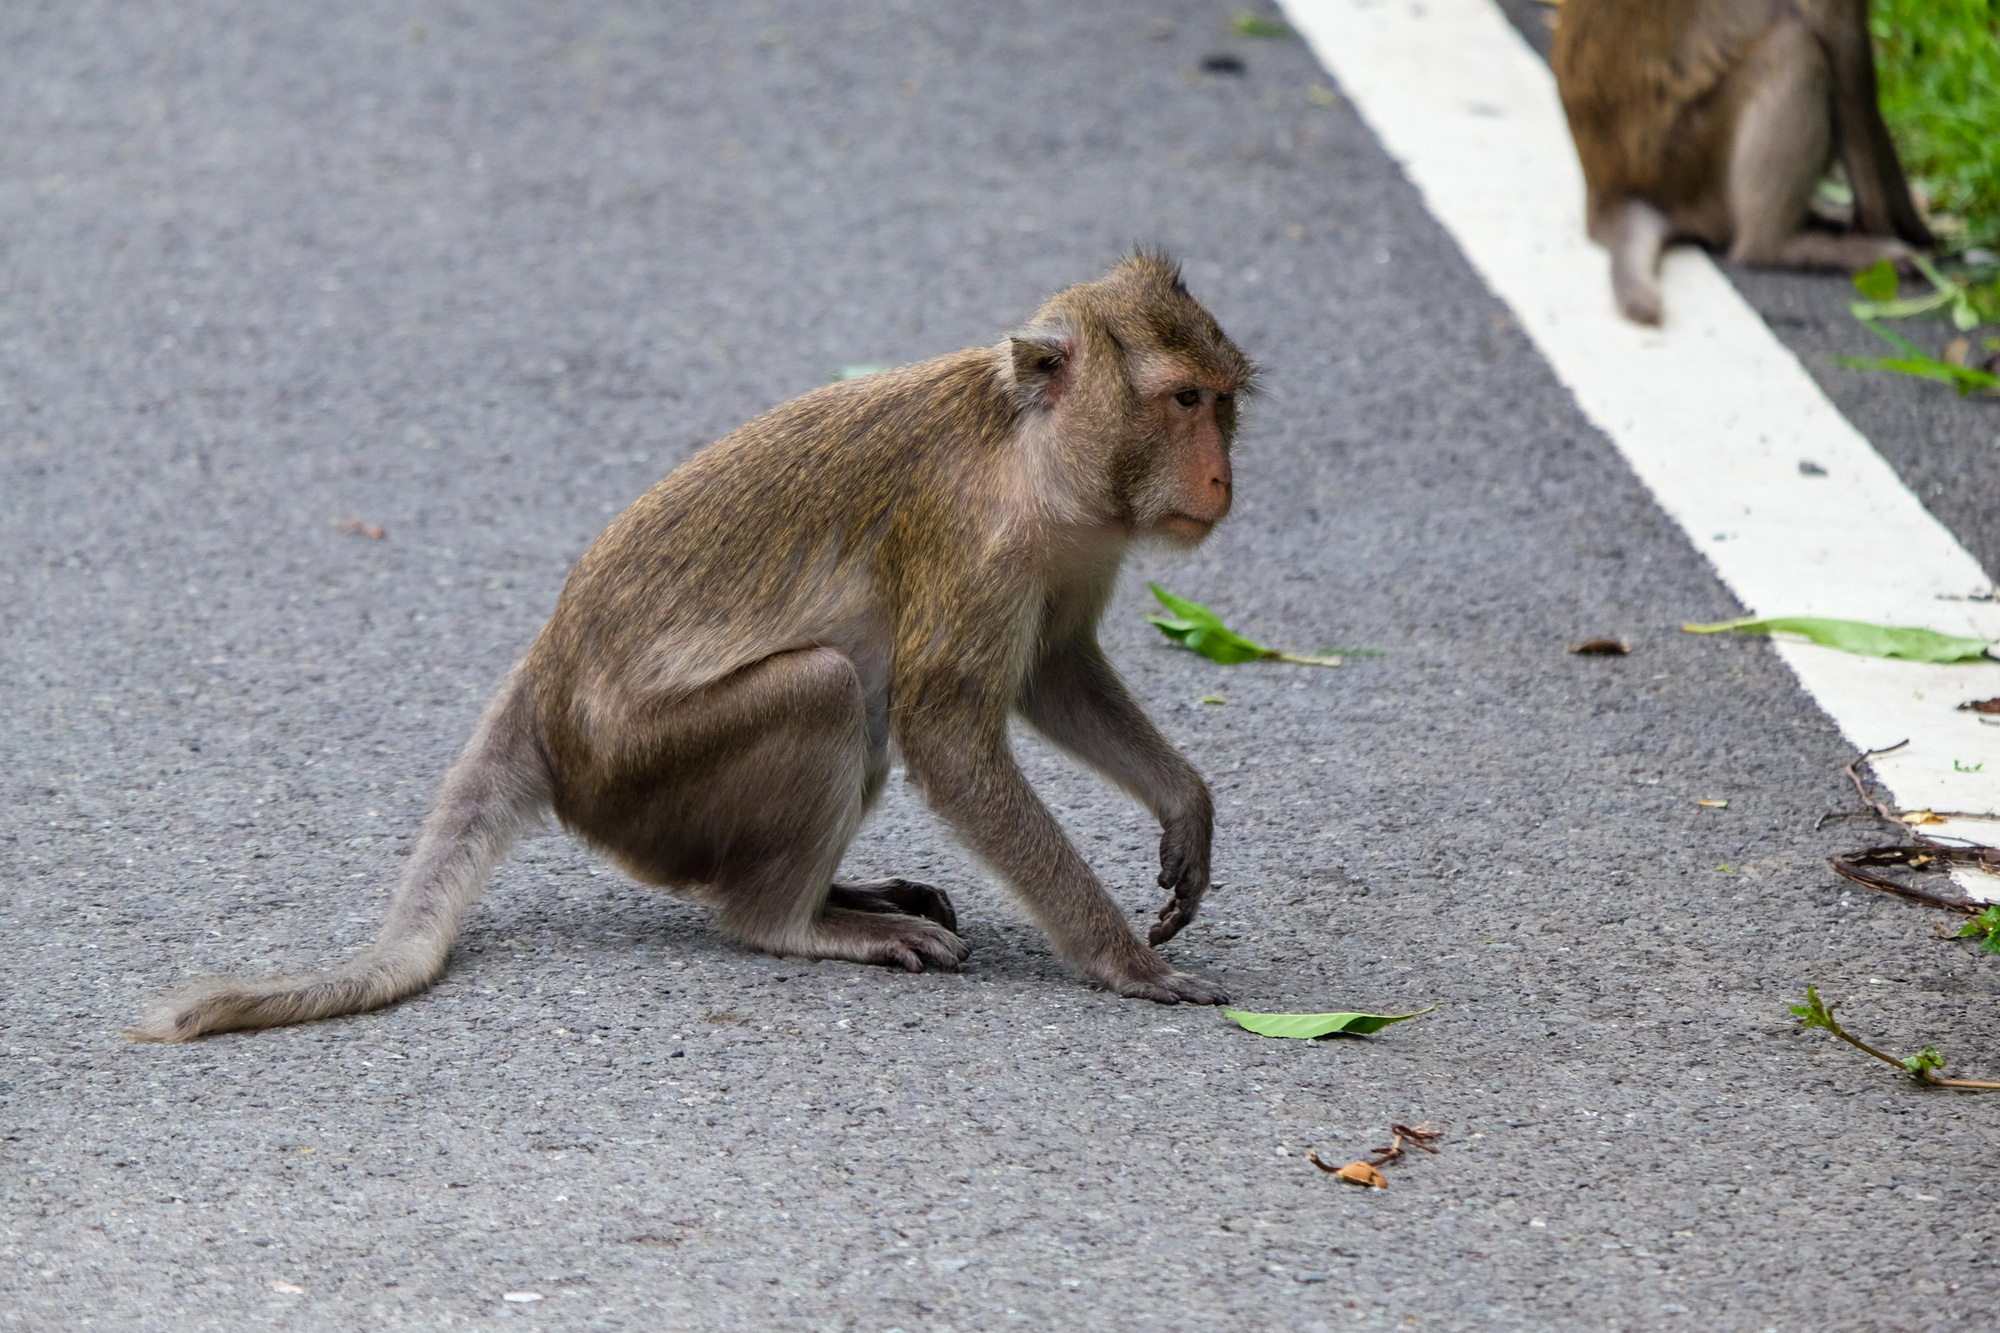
x=1713, y=121
x=908, y=557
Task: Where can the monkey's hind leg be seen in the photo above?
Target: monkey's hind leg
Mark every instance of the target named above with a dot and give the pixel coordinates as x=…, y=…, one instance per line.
x=1634, y=232
x=1782, y=144
x=762, y=782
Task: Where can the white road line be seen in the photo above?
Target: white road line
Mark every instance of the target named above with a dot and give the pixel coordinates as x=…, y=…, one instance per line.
x=1712, y=412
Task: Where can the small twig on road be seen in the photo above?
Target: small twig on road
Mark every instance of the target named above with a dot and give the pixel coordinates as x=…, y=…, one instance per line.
x=1365, y=1173
x=1922, y=853
x=1420, y=1137
x=1924, y=856
x=1923, y=1066
x=1875, y=807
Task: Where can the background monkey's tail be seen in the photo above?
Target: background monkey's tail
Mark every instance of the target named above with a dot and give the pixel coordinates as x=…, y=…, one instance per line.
x=1635, y=232
x=498, y=787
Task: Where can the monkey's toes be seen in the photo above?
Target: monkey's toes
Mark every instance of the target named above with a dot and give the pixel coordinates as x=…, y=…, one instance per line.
x=892, y=940
x=1172, y=988
x=937, y=948
x=931, y=949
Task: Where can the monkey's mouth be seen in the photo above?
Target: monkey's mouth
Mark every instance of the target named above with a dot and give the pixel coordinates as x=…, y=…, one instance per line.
x=1186, y=525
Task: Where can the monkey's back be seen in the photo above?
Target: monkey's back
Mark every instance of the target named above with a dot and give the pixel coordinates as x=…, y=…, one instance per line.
x=1638, y=80
x=786, y=533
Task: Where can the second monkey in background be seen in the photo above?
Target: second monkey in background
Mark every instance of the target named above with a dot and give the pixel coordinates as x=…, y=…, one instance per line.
x=1714, y=121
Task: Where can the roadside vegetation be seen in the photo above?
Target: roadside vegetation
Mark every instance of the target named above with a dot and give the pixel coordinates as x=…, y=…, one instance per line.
x=1939, y=66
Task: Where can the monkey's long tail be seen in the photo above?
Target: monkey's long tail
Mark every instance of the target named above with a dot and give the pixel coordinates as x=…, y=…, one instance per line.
x=1635, y=233
x=498, y=787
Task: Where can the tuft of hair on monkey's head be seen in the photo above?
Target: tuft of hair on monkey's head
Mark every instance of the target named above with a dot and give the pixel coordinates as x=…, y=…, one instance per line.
x=1139, y=317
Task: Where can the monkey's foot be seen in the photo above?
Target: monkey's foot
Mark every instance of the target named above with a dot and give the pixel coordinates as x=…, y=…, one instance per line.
x=889, y=938
x=1145, y=976
x=890, y=896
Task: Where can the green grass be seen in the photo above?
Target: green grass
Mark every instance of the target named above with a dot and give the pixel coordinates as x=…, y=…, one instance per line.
x=1939, y=66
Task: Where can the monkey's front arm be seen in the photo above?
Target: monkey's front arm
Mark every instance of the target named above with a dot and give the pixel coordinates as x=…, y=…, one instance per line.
x=969, y=775
x=1075, y=698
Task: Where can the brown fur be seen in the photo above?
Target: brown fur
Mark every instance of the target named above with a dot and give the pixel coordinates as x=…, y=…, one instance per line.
x=903, y=559
x=1713, y=121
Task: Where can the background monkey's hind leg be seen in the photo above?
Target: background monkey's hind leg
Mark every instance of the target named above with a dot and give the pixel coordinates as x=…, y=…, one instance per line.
x=1782, y=144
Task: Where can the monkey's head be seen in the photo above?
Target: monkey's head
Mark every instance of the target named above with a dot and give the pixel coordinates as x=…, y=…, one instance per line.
x=1138, y=385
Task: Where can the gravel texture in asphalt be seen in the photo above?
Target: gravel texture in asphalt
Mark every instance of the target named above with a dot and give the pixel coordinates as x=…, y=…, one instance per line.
x=477, y=275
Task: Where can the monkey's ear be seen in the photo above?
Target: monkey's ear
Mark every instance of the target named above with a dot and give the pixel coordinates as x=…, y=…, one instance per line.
x=1044, y=366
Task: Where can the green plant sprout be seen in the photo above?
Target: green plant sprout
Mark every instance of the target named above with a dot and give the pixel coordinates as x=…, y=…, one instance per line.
x=1923, y=1066
x=1880, y=285
x=1986, y=924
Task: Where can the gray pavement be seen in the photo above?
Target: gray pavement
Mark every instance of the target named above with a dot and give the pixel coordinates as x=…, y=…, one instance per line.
x=478, y=274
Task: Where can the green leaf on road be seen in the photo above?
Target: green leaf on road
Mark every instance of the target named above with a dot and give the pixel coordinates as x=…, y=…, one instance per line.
x=1253, y=25
x=1858, y=636
x=1194, y=626
x=1307, y=1026
x=1878, y=283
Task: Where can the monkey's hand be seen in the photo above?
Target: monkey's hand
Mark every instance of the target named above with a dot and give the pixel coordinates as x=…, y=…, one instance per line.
x=1184, y=870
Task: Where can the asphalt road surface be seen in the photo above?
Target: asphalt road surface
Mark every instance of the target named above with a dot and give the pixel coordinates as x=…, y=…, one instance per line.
x=478, y=274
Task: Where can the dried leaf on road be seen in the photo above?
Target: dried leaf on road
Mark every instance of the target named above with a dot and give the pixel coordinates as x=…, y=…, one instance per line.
x=1360, y=1173
x=1980, y=706
x=1601, y=648
x=358, y=528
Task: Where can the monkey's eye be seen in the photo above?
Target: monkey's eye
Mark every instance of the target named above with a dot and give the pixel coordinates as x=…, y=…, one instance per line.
x=1188, y=397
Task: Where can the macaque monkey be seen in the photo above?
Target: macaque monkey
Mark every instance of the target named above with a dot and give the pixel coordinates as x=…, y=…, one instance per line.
x=1714, y=120
x=904, y=559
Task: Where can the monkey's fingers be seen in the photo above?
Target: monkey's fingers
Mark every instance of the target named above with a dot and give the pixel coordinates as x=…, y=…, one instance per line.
x=924, y=900
x=1174, y=917
x=906, y=896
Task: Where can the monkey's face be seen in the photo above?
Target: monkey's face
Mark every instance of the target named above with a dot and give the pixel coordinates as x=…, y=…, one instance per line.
x=1184, y=485
x=1140, y=385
